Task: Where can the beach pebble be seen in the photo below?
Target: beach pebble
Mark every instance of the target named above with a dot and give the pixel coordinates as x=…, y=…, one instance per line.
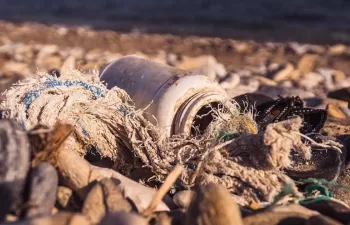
x=43, y=181
x=14, y=163
x=213, y=204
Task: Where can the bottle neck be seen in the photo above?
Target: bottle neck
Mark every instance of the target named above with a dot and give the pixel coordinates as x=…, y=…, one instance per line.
x=195, y=114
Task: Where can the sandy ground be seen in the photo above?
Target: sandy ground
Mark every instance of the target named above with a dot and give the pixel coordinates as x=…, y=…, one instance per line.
x=232, y=53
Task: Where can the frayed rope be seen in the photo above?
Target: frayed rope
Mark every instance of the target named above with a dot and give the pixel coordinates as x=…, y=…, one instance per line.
x=30, y=97
x=53, y=83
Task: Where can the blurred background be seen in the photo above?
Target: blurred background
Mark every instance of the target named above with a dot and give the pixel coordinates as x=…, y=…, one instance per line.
x=275, y=47
x=320, y=21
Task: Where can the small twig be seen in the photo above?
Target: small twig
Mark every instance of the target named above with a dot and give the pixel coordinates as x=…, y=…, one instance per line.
x=169, y=181
x=41, y=131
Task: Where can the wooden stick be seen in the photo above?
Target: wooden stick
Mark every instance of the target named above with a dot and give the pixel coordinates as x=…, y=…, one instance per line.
x=169, y=181
x=79, y=174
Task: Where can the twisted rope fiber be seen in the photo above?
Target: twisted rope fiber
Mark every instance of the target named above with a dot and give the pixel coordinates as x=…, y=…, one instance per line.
x=123, y=135
x=52, y=83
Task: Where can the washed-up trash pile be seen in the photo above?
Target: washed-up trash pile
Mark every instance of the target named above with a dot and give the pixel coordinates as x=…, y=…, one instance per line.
x=74, y=151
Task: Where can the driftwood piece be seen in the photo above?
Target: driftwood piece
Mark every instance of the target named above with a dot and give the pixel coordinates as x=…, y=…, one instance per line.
x=14, y=161
x=213, y=204
x=43, y=182
x=79, y=174
x=105, y=197
x=65, y=218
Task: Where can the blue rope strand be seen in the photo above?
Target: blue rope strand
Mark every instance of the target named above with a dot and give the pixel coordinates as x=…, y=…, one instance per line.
x=30, y=97
x=52, y=83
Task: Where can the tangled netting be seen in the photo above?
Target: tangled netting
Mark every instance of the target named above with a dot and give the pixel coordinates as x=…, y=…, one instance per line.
x=107, y=123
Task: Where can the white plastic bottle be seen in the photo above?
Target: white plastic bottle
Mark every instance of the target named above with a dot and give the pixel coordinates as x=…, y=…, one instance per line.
x=173, y=99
